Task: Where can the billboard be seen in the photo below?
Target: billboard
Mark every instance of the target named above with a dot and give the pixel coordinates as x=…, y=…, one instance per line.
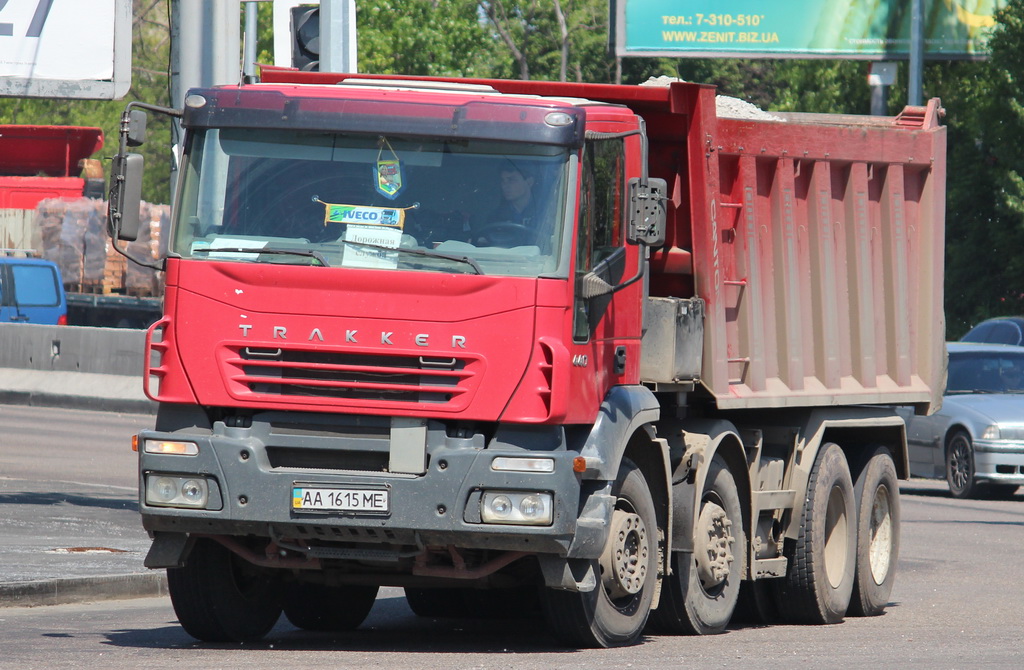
x=65, y=48
x=861, y=29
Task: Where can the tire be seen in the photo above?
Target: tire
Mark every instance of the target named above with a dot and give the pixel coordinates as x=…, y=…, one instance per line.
x=701, y=594
x=440, y=603
x=878, y=534
x=756, y=604
x=614, y=613
x=819, y=580
x=327, y=608
x=219, y=597
x=960, y=466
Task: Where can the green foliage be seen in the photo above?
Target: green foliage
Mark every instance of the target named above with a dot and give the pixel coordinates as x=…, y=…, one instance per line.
x=424, y=37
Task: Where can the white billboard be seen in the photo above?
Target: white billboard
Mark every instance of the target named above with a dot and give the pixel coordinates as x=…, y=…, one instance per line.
x=65, y=48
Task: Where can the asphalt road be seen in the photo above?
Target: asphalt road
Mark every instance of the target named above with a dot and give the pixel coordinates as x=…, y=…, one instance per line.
x=956, y=602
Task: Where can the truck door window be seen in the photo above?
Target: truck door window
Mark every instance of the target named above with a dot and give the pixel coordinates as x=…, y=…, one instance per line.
x=35, y=286
x=600, y=226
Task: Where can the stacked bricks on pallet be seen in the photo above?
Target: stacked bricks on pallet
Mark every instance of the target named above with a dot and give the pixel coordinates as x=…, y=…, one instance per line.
x=73, y=234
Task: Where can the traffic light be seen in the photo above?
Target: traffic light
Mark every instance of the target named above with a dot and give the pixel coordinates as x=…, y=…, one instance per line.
x=306, y=38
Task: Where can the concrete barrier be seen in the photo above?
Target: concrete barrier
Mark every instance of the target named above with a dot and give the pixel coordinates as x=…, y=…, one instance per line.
x=73, y=366
x=110, y=351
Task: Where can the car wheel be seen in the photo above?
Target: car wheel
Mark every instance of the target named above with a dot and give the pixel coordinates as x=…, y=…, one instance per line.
x=960, y=466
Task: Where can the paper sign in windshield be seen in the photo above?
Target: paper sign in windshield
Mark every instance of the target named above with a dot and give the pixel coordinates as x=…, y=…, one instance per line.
x=369, y=246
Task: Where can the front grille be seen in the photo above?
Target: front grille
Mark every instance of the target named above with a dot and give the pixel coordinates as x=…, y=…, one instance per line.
x=328, y=459
x=350, y=376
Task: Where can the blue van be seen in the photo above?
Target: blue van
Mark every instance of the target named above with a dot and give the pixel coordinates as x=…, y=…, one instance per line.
x=31, y=291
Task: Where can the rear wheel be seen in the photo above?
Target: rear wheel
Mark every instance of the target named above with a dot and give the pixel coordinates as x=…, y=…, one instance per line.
x=819, y=581
x=701, y=594
x=614, y=613
x=878, y=534
x=219, y=597
x=328, y=608
x=960, y=466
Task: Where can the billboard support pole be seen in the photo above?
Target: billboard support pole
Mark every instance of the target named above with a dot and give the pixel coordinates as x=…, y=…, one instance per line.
x=916, y=53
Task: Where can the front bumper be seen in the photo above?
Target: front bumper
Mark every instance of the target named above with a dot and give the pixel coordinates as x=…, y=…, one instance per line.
x=252, y=473
x=999, y=461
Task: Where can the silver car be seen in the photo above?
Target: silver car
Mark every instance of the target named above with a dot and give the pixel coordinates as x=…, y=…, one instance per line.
x=976, y=441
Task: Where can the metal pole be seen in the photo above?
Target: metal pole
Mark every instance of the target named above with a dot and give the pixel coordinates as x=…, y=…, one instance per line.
x=916, y=53
x=204, y=52
x=249, y=57
x=338, y=36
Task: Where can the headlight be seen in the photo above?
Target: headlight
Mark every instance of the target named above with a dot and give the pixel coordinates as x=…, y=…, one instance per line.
x=517, y=508
x=177, y=491
x=991, y=433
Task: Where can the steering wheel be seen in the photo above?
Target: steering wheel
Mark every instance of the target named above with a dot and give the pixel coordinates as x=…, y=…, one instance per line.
x=506, y=234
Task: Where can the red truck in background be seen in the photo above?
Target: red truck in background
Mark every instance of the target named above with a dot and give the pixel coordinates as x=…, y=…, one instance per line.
x=651, y=394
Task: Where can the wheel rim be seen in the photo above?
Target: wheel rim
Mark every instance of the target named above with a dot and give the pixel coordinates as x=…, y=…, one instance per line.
x=836, y=537
x=624, y=563
x=959, y=463
x=880, y=548
x=713, y=552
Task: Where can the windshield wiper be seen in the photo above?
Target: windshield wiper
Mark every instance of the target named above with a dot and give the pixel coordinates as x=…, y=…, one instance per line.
x=316, y=255
x=429, y=253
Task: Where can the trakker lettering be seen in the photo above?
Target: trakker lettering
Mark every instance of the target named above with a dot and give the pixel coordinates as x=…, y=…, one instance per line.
x=317, y=334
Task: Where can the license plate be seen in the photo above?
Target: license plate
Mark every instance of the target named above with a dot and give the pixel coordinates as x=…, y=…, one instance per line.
x=316, y=499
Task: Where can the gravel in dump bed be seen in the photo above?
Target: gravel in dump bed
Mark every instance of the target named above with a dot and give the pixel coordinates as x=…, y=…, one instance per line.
x=728, y=107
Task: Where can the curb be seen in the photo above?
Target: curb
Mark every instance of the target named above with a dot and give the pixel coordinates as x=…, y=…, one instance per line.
x=38, y=399
x=83, y=589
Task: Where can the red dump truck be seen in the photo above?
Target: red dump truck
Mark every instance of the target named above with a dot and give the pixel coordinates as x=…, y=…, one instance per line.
x=618, y=354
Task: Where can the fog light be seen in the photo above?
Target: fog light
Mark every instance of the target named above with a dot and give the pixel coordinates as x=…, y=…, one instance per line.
x=511, y=507
x=172, y=491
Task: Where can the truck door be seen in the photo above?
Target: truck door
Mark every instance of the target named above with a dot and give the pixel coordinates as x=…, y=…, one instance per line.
x=31, y=291
x=606, y=329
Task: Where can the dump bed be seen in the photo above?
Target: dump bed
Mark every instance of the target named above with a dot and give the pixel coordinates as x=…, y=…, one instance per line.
x=811, y=244
x=816, y=243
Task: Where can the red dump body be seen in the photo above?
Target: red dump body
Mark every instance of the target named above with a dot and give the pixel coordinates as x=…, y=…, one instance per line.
x=40, y=162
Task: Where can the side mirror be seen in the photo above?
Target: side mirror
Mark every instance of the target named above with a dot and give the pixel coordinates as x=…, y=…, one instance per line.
x=647, y=212
x=135, y=133
x=125, y=197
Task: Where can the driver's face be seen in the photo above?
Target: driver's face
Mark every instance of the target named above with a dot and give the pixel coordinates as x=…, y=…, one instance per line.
x=514, y=185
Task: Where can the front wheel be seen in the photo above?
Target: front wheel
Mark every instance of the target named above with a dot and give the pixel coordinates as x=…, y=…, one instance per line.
x=819, y=580
x=615, y=612
x=878, y=534
x=701, y=594
x=328, y=608
x=960, y=466
x=219, y=597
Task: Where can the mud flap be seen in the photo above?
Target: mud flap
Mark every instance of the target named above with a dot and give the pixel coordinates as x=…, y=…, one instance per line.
x=168, y=550
x=568, y=574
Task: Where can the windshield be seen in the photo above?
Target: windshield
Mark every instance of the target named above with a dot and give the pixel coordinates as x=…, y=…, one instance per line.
x=983, y=372
x=376, y=202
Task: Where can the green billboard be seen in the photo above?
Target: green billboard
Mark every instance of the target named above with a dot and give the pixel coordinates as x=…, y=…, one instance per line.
x=864, y=29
